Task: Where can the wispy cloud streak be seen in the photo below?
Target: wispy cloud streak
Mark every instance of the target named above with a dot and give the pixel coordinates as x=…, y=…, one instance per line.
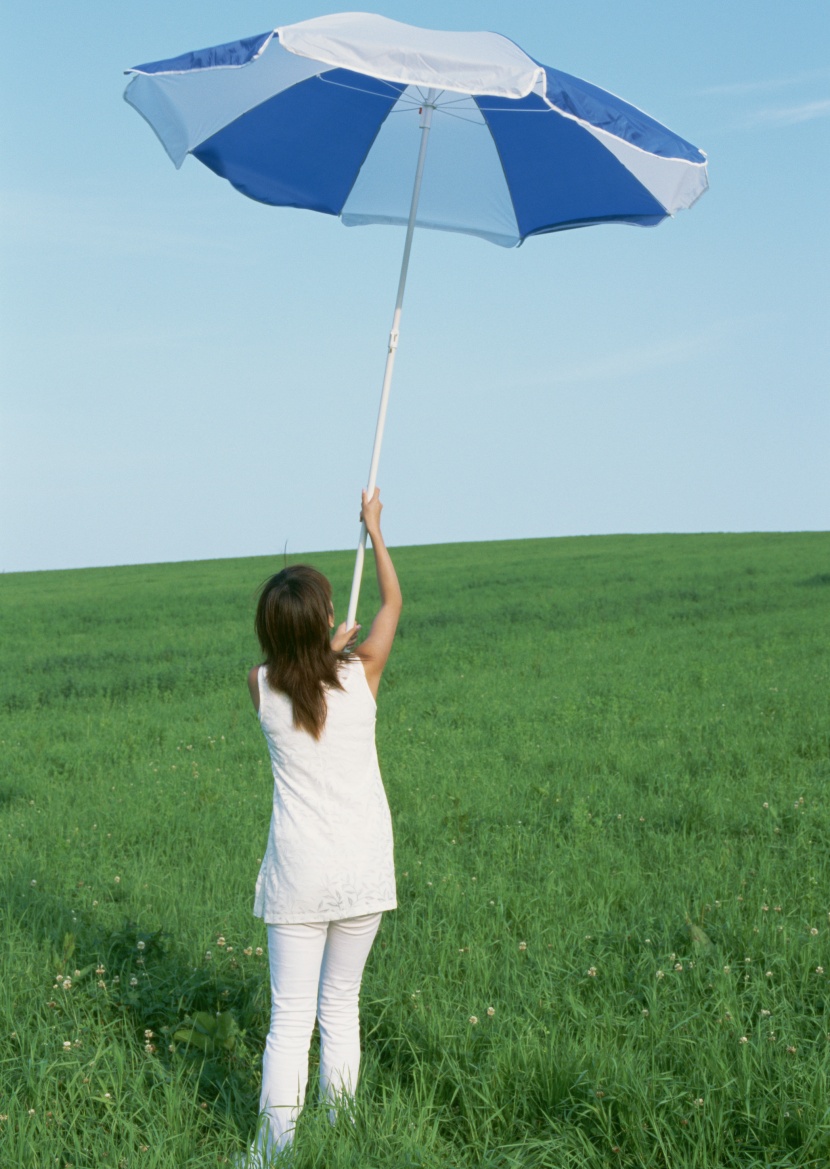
x=768, y=85
x=790, y=115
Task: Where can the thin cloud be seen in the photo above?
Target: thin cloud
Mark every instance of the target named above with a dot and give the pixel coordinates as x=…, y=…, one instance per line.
x=791, y=115
x=635, y=360
x=768, y=85
x=628, y=362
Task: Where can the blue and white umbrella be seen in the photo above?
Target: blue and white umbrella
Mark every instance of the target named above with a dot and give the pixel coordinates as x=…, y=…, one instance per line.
x=334, y=115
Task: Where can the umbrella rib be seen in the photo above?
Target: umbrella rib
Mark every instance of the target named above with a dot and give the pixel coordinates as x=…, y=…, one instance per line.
x=358, y=89
x=459, y=117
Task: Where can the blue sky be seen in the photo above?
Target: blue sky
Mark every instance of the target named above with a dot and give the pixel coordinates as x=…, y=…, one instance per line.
x=187, y=374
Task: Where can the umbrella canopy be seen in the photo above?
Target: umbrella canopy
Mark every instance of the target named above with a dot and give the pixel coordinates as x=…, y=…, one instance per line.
x=334, y=115
x=325, y=115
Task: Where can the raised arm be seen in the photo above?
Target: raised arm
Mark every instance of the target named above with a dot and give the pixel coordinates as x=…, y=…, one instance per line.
x=375, y=650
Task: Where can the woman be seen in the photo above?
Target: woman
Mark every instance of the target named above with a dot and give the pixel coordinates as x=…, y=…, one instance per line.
x=328, y=870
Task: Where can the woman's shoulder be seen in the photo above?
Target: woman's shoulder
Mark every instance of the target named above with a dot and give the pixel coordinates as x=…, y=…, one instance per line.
x=253, y=685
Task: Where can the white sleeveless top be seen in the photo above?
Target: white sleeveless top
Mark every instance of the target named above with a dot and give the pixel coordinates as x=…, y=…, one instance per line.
x=329, y=853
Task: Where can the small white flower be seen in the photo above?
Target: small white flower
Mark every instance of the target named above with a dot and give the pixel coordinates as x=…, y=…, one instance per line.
x=743, y=1039
x=140, y=946
x=473, y=1020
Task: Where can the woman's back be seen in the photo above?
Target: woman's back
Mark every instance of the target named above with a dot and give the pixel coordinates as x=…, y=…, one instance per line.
x=329, y=850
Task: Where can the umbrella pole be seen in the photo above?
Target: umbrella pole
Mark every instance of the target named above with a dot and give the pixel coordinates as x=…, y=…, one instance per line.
x=426, y=122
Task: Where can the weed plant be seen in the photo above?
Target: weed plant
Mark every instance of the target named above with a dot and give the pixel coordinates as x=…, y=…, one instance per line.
x=607, y=761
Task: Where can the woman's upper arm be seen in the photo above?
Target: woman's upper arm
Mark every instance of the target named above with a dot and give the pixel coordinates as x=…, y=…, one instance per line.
x=374, y=651
x=253, y=686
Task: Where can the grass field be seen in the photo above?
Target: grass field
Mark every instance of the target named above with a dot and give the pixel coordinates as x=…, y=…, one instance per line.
x=607, y=761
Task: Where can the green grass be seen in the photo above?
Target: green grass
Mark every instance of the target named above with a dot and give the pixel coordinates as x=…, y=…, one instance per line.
x=607, y=761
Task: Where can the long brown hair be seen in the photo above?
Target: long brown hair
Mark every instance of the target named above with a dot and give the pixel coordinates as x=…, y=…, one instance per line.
x=292, y=623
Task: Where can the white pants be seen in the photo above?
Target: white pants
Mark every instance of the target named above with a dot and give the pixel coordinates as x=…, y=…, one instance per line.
x=316, y=970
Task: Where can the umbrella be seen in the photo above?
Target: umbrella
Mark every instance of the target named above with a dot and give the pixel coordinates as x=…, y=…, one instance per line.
x=334, y=115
